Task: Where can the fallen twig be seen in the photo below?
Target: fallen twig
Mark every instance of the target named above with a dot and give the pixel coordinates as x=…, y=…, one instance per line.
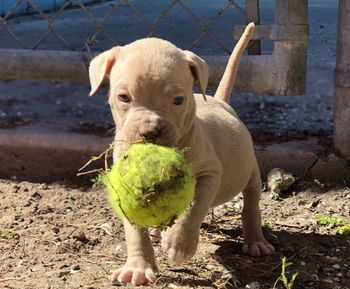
x=105, y=154
x=13, y=279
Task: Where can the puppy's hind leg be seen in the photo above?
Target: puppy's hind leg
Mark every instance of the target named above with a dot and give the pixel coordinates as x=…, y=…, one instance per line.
x=254, y=241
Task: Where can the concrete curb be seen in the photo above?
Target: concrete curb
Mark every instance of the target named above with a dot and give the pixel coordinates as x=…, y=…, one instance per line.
x=46, y=153
x=304, y=159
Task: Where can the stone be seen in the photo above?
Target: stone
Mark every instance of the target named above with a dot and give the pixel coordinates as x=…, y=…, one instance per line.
x=278, y=181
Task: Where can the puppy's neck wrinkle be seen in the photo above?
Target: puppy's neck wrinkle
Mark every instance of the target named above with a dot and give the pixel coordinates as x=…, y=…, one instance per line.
x=189, y=125
x=185, y=140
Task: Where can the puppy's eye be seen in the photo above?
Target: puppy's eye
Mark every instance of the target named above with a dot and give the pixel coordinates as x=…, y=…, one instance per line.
x=178, y=100
x=123, y=98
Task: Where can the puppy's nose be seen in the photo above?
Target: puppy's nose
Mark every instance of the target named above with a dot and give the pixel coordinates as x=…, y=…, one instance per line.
x=151, y=135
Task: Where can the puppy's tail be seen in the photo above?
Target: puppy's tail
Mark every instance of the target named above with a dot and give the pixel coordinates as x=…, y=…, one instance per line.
x=226, y=84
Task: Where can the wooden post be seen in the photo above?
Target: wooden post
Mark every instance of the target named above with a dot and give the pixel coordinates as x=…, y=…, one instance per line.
x=253, y=15
x=286, y=69
x=291, y=56
x=342, y=82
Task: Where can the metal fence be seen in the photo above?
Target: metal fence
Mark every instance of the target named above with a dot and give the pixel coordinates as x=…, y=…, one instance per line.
x=58, y=45
x=103, y=22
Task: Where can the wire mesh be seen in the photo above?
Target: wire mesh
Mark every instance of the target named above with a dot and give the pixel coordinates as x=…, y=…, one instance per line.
x=204, y=25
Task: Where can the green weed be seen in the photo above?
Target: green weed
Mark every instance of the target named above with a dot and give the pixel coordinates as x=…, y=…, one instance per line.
x=97, y=182
x=342, y=226
x=344, y=230
x=288, y=284
x=9, y=235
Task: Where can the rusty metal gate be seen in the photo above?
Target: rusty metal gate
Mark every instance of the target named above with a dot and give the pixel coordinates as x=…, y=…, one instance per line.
x=282, y=72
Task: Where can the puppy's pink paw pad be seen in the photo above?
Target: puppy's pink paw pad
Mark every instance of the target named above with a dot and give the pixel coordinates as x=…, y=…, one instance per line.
x=135, y=276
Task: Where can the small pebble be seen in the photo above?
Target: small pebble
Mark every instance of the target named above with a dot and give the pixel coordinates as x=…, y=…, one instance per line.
x=317, y=182
x=56, y=230
x=79, y=235
x=216, y=274
x=301, y=203
x=63, y=273
x=36, y=196
x=27, y=204
x=253, y=285
x=278, y=181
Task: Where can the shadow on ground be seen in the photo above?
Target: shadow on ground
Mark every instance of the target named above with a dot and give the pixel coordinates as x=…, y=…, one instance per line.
x=317, y=259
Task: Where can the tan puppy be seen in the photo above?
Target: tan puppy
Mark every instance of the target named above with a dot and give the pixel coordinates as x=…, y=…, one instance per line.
x=151, y=97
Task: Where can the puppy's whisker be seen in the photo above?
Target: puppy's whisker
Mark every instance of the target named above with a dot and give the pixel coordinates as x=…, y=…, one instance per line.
x=111, y=130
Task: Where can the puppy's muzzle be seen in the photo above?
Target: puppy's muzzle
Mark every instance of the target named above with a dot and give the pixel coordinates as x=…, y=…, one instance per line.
x=153, y=134
x=152, y=128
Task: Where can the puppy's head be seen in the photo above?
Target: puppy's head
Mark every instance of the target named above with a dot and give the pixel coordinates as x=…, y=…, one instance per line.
x=151, y=89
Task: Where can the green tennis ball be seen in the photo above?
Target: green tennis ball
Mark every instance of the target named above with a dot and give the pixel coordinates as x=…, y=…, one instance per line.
x=150, y=185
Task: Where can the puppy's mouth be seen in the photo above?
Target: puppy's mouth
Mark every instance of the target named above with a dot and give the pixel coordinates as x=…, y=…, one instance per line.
x=124, y=139
x=165, y=135
x=149, y=126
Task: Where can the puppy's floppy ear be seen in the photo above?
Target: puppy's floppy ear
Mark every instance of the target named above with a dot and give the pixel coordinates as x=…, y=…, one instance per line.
x=101, y=66
x=199, y=70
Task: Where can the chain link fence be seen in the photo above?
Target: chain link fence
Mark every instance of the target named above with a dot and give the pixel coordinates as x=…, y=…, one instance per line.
x=80, y=26
x=58, y=45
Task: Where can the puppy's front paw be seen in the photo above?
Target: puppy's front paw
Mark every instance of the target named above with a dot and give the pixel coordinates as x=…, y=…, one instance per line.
x=136, y=272
x=258, y=248
x=180, y=243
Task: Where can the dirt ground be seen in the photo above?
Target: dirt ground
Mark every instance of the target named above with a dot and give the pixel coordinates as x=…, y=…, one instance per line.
x=66, y=236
